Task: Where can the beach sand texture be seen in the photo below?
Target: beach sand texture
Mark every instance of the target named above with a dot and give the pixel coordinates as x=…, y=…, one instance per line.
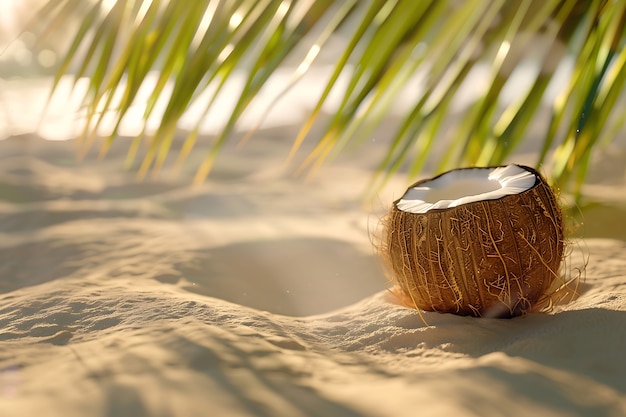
x=260, y=294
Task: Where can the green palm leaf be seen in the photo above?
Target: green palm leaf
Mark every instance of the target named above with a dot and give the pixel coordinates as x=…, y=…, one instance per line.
x=200, y=45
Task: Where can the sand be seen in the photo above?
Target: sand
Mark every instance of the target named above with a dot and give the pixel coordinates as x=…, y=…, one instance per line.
x=260, y=294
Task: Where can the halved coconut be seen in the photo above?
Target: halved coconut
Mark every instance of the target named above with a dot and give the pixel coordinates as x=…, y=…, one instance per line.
x=476, y=241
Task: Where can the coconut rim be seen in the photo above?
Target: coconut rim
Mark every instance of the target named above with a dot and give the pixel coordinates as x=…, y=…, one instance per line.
x=538, y=180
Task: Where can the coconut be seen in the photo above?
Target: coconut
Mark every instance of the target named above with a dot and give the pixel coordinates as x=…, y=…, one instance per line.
x=475, y=241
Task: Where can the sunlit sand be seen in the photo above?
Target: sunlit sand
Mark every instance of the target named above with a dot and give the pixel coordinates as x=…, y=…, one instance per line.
x=259, y=294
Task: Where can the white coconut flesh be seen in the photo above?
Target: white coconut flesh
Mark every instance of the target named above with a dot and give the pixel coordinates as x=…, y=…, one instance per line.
x=464, y=186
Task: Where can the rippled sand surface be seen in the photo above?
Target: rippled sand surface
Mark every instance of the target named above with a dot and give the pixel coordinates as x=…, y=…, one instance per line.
x=258, y=294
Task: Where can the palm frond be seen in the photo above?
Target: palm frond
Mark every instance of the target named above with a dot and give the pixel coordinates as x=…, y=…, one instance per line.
x=198, y=46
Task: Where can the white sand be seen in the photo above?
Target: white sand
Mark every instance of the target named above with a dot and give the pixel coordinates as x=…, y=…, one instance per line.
x=258, y=295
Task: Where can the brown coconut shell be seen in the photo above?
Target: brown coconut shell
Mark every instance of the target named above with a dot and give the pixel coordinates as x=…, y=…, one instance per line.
x=492, y=258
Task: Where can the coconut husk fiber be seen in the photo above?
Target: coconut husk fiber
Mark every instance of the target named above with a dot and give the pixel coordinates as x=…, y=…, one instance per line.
x=491, y=258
